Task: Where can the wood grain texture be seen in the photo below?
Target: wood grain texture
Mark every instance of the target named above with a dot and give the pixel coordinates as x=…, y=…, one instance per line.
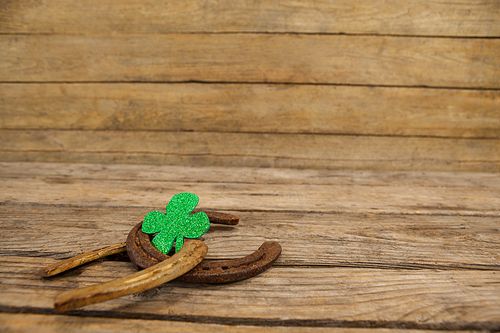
x=427, y=259
x=411, y=221
x=57, y=323
x=452, y=196
x=67, y=173
x=251, y=149
x=236, y=88
x=359, y=60
x=381, y=241
x=252, y=108
x=316, y=296
x=416, y=17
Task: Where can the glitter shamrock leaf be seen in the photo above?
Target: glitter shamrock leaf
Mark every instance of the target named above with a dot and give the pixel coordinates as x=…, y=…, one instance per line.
x=177, y=223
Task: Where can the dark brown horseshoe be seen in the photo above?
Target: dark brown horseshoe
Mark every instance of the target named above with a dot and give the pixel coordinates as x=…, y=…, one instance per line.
x=159, y=268
x=143, y=254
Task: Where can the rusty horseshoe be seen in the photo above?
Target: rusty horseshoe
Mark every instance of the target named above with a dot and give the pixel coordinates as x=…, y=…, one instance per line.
x=156, y=268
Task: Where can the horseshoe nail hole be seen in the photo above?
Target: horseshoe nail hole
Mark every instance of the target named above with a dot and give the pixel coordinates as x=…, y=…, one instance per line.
x=224, y=267
x=205, y=268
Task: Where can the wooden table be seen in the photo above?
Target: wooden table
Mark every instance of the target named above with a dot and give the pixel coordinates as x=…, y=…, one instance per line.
x=361, y=249
x=364, y=136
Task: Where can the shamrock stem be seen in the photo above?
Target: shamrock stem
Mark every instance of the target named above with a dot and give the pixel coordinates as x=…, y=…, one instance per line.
x=179, y=242
x=163, y=242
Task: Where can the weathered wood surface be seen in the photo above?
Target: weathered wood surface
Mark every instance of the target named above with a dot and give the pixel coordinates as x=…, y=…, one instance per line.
x=290, y=296
x=368, y=85
x=380, y=219
x=252, y=149
x=259, y=58
x=416, y=17
x=274, y=190
x=378, y=85
x=305, y=109
x=370, y=240
x=47, y=324
x=360, y=249
x=60, y=172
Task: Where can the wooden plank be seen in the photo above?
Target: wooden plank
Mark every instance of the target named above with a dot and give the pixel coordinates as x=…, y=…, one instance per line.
x=396, y=198
x=403, y=199
x=360, y=199
x=408, y=223
x=264, y=58
x=252, y=150
x=252, y=108
x=71, y=209
x=417, y=17
x=461, y=291
x=308, y=295
x=21, y=322
x=308, y=239
x=68, y=173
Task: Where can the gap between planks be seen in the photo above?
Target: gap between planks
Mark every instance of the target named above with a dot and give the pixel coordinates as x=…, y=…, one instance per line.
x=470, y=63
x=54, y=129
x=41, y=320
x=313, y=84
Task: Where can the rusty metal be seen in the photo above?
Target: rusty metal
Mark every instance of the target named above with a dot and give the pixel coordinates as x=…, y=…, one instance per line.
x=220, y=218
x=224, y=271
x=143, y=255
x=189, y=256
x=160, y=268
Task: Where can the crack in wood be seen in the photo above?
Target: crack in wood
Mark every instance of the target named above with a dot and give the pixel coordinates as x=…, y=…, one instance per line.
x=235, y=321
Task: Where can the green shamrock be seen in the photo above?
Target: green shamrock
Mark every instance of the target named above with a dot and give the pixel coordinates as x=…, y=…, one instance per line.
x=177, y=223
